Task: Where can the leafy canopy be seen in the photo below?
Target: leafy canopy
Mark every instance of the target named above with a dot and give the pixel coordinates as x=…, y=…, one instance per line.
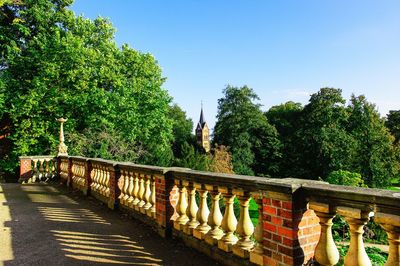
x=55, y=64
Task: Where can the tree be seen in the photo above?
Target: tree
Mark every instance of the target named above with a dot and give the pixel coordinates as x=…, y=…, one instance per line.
x=286, y=119
x=322, y=138
x=221, y=160
x=393, y=124
x=54, y=64
x=242, y=127
x=182, y=128
x=345, y=178
x=376, y=157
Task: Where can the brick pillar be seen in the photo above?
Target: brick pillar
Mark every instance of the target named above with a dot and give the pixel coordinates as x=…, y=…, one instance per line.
x=291, y=230
x=164, y=210
x=25, y=169
x=115, y=174
x=88, y=170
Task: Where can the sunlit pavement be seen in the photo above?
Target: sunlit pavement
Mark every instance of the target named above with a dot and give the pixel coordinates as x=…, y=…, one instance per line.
x=46, y=225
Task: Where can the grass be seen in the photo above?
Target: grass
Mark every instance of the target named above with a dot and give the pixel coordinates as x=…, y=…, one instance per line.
x=376, y=256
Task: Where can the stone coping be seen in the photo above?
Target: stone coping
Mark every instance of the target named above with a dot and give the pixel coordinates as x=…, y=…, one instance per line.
x=38, y=157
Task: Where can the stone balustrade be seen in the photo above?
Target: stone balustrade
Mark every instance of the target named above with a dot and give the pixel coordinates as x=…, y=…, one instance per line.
x=211, y=212
x=37, y=168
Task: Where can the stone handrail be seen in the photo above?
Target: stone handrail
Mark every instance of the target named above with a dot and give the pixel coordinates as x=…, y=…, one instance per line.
x=295, y=216
x=37, y=168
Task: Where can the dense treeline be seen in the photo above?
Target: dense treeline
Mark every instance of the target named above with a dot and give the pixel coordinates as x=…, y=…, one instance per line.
x=312, y=141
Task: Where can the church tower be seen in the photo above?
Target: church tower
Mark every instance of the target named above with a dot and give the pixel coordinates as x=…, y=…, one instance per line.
x=203, y=132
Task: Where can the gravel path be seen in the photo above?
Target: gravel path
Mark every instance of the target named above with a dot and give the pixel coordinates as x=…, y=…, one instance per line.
x=46, y=225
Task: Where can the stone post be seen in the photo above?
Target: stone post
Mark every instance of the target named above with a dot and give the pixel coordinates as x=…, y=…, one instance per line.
x=62, y=148
x=113, y=185
x=25, y=169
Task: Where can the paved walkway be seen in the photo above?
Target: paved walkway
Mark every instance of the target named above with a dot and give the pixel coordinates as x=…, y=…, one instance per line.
x=45, y=225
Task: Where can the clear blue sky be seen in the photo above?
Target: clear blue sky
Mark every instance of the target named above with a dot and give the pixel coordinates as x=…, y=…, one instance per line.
x=284, y=50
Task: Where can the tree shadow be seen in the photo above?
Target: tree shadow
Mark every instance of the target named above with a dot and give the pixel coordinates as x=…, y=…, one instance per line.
x=43, y=224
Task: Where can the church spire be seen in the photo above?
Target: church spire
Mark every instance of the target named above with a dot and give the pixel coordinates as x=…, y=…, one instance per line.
x=202, y=120
x=202, y=132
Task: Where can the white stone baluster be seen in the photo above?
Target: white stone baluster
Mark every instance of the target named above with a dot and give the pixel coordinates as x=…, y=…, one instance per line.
x=391, y=224
x=356, y=218
x=141, y=202
x=229, y=222
x=130, y=189
x=153, y=198
x=202, y=214
x=181, y=206
x=147, y=194
x=136, y=199
x=245, y=227
x=191, y=211
x=326, y=252
x=214, y=218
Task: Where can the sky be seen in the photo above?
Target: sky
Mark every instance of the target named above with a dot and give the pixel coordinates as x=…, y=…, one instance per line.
x=284, y=50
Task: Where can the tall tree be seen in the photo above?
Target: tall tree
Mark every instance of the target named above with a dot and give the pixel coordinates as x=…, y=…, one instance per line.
x=393, y=124
x=242, y=127
x=286, y=119
x=55, y=64
x=376, y=158
x=182, y=128
x=322, y=138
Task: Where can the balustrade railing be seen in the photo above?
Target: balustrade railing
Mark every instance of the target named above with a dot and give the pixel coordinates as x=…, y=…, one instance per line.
x=294, y=225
x=37, y=168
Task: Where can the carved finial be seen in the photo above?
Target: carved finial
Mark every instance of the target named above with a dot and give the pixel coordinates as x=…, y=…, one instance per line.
x=62, y=148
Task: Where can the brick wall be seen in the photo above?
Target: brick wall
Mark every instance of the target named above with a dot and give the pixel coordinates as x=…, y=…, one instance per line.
x=291, y=231
x=25, y=169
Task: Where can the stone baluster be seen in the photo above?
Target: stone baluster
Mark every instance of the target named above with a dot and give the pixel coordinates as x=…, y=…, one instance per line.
x=391, y=224
x=147, y=194
x=152, y=212
x=96, y=178
x=125, y=189
x=356, y=218
x=256, y=255
x=99, y=175
x=35, y=170
x=141, y=202
x=47, y=161
x=136, y=199
x=107, y=184
x=192, y=209
x=181, y=206
x=245, y=227
x=53, y=168
x=130, y=188
x=214, y=218
x=122, y=180
x=102, y=180
x=229, y=221
x=93, y=176
x=326, y=252
x=41, y=169
x=202, y=214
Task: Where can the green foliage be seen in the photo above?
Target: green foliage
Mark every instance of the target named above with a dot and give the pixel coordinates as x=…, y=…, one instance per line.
x=375, y=153
x=393, y=123
x=193, y=159
x=242, y=127
x=377, y=257
x=326, y=136
x=322, y=138
x=345, y=178
x=286, y=117
x=55, y=64
x=182, y=128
